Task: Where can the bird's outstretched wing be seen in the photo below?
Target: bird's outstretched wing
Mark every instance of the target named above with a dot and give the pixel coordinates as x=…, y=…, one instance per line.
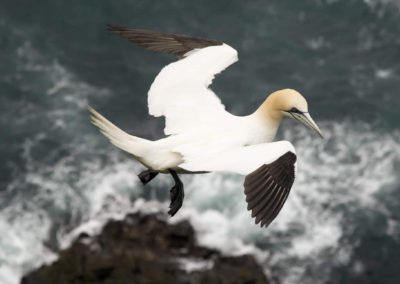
x=268, y=187
x=269, y=171
x=180, y=91
x=177, y=45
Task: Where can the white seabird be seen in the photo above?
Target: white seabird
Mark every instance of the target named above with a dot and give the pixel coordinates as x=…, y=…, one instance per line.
x=201, y=136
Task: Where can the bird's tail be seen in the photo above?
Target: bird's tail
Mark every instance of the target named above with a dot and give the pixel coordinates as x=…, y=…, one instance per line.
x=134, y=145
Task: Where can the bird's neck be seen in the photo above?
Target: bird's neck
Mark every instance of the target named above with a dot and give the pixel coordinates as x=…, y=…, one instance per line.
x=262, y=125
x=269, y=114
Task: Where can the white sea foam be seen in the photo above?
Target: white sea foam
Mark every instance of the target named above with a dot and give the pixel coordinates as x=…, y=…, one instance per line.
x=190, y=265
x=383, y=73
x=316, y=43
x=36, y=197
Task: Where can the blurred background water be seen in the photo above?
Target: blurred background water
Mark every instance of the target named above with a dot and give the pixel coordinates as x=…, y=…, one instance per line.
x=59, y=176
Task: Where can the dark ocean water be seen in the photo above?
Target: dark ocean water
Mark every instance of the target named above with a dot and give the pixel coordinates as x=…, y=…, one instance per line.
x=59, y=176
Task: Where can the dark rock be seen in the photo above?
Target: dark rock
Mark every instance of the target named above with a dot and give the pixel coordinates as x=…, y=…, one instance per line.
x=144, y=249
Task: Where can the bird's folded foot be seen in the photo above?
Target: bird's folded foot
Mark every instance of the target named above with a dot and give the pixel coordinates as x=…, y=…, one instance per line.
x=147, y=176
x=177, y=194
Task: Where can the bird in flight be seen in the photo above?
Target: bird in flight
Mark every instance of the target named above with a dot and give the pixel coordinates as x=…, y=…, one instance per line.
x=201, y=136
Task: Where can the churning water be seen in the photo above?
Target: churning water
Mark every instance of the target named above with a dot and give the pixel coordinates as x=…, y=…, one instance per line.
x=59, y=176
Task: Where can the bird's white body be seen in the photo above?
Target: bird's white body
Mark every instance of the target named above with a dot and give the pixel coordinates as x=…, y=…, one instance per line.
x=200, y=131
x=187, y=152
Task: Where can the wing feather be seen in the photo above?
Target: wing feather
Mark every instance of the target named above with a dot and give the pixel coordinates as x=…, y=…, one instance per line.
x=265, y=199
x=251, y=194
x=262, y=215
x=262, y=201
x=174, y=44
x=180, y=91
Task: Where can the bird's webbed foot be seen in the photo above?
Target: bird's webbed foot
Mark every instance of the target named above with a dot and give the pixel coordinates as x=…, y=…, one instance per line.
x=147, y=175
x=177, y=194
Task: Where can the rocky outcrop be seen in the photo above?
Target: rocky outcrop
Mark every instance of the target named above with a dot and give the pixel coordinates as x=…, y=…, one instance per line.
x=145, y=249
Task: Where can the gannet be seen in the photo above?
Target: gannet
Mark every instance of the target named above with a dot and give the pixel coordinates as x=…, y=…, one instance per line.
x=201, y=136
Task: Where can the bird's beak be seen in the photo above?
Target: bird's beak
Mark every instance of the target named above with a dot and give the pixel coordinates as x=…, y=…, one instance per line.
x=307, y=120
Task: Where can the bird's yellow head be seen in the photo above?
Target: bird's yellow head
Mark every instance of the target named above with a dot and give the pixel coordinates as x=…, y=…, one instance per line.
x=288, y=103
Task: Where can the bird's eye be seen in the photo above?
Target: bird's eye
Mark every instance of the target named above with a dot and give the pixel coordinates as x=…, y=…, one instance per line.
x=295, y=110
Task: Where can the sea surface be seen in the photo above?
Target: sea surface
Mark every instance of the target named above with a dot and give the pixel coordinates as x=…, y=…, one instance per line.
x=59, y=176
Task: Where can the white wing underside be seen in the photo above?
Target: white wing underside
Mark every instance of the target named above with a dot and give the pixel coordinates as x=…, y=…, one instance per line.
x=241, y=160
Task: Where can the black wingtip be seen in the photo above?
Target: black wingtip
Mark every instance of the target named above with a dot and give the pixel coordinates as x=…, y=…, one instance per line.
x=114, y=28
x=265, y=199
x=111, y=28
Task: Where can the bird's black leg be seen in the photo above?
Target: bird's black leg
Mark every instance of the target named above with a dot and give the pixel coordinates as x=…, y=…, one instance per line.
x=147, y=176
x=177, y=194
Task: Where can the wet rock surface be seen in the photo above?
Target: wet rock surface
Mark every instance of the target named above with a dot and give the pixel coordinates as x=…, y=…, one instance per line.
x=145, y=249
